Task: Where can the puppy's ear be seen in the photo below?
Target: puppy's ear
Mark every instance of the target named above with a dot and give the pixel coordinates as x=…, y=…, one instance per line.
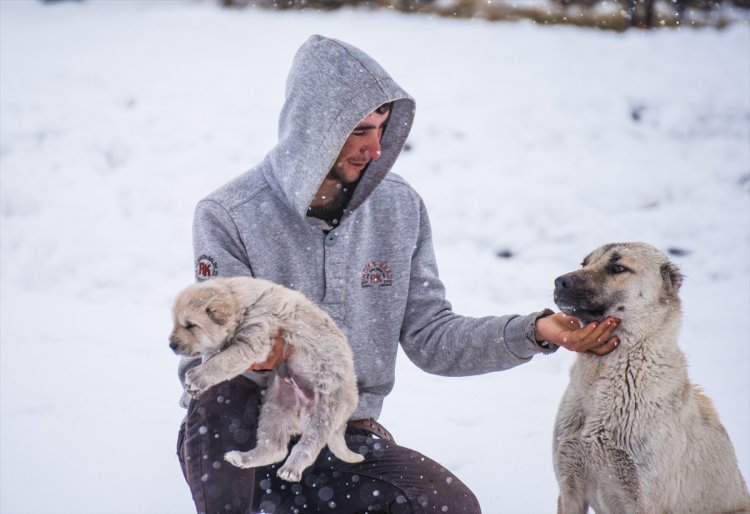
x=671, y=277
x=220, y=310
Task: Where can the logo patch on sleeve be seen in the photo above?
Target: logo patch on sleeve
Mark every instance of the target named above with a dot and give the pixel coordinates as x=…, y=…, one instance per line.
x=376, y=273
x=205, y=268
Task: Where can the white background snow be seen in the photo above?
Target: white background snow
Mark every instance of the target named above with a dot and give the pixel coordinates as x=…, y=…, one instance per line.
x=117, y=117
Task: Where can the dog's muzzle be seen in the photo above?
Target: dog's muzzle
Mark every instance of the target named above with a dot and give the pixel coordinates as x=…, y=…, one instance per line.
x=574, y=298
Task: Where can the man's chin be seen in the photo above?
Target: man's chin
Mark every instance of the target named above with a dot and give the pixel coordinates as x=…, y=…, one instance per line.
x=351, y=175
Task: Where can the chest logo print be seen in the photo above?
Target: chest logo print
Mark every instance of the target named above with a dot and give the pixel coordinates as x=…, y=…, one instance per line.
x=376, y=273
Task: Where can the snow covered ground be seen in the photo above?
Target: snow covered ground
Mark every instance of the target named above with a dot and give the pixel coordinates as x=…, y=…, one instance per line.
x=538, y=142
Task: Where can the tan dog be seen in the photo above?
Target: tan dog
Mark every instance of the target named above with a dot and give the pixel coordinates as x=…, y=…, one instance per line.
x=232, y=323
x=632, y=434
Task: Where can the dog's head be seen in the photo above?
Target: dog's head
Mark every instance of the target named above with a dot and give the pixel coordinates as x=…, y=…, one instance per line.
x=625, y=280
x=205, y=317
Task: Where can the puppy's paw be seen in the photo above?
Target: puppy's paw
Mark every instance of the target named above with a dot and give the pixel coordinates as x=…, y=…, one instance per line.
x=297, y=462
x=289, y=473
x=192, y=391
x=196, y=383
x=239, y=459
x=255, y=458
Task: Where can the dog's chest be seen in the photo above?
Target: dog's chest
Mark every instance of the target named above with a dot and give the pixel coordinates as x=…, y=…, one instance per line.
x=623, y=405
x=613, y=399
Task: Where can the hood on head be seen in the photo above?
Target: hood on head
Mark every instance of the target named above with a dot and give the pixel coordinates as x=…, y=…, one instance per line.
x=331, y=87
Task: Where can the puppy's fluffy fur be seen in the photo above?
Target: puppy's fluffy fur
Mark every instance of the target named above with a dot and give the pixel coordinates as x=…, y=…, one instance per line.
x=232, y=323
x=632, y=433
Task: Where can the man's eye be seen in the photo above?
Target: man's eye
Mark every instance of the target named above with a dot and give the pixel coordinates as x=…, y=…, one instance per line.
x=359, y=132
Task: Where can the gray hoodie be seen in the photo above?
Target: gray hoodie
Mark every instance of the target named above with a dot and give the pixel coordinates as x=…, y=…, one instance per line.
x=374, y=273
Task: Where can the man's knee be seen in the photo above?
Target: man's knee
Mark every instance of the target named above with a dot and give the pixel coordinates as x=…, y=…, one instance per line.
x=451, y=496
x=223, y=418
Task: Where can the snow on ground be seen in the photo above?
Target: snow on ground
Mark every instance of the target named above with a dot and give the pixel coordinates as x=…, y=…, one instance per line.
x=541, y=142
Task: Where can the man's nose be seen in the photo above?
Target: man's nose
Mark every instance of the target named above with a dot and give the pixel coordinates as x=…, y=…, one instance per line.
x=371, y=148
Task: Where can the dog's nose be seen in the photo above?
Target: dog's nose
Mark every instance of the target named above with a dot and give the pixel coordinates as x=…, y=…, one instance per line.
x=173, y=345
x=563, y=282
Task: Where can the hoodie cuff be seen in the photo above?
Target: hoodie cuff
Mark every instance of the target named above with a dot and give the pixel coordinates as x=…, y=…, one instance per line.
x=520, y=336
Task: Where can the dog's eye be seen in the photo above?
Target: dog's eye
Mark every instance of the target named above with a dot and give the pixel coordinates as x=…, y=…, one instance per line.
x=616, y=269
x=189, y=326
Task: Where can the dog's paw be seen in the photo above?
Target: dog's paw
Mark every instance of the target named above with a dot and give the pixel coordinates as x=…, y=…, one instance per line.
x=196, y=383
x=293, y=467
x=193, y=392
x=289, y=473
x=255, y=458
x=239, y=459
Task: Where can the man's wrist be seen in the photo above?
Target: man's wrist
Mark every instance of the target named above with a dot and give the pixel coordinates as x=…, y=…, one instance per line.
x=538, y=337
x=544, y=344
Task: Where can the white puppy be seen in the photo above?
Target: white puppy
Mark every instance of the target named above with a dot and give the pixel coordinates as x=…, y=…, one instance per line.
x=232, y=323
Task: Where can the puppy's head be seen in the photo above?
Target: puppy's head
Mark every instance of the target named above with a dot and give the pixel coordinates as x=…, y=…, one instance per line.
x=205, y=317
x=625, y=280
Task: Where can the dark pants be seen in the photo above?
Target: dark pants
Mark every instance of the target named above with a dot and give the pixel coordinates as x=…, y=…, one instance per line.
x=391, y=478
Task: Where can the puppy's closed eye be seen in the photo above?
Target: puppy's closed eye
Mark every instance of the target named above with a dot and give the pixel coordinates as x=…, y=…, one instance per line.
x=189, y=326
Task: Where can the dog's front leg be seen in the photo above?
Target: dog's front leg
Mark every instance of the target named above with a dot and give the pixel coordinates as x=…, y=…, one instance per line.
x=568, y=505
x=570, y=476
x=223, y=366
x=571, y=500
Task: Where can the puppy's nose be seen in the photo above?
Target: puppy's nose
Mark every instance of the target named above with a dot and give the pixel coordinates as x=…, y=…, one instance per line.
x=173, y=345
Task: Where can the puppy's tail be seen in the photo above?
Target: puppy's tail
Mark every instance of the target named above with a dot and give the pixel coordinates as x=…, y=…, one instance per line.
x=338, y=447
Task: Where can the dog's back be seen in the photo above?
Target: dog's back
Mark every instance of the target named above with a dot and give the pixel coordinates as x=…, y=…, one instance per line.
x=632, y=433
x=319, y=344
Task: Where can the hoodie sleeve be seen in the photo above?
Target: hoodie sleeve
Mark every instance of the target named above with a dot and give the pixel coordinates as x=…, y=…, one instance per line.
x=444, y=343
x=217, y=246
x=218, y=250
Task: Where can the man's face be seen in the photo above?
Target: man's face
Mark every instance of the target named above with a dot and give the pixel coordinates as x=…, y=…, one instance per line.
x=362, y=146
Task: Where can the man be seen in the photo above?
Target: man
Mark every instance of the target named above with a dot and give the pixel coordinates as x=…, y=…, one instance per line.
x=322, y=214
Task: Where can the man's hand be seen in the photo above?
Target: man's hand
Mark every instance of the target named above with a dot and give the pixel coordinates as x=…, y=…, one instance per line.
x=566, y=331
x=276, y=356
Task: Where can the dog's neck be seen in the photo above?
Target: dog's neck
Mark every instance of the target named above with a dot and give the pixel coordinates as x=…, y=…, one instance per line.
x=658, y=346
x=651, y=328
x=657, y=352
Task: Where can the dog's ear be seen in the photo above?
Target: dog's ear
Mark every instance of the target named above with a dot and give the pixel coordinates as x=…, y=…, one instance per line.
x=220, y=309
x=671, y=277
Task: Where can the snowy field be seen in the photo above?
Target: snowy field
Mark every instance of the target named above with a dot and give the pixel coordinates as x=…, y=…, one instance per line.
x=536, y=142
